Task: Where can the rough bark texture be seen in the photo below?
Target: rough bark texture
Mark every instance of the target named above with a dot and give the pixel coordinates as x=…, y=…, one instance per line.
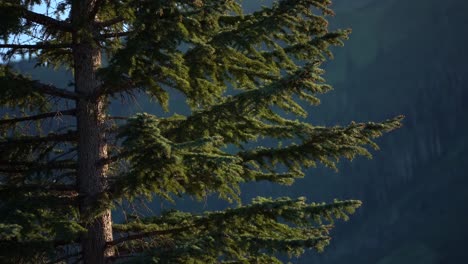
x=91, y=136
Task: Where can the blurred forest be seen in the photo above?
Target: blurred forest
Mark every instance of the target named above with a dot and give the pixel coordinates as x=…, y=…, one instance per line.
x=404, y=57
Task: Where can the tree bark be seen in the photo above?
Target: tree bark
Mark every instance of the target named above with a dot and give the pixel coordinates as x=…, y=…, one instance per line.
x=92, y=146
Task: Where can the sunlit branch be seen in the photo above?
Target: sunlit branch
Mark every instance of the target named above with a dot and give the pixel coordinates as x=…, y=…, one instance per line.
x=114, y=158
x=55, y=243
x=120, y=256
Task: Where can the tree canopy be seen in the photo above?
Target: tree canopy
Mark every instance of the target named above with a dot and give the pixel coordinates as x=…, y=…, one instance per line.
x=245, y=76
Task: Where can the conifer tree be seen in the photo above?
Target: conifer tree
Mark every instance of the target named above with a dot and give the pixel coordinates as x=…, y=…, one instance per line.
x=246, y=76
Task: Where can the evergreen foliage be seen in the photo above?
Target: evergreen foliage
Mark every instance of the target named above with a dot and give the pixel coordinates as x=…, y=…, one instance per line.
x=244, y=76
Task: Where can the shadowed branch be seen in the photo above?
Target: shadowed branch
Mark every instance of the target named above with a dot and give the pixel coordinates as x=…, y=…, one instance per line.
x=70, y=112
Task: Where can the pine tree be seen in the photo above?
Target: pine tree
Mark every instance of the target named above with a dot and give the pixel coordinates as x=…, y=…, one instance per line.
x=245, y=77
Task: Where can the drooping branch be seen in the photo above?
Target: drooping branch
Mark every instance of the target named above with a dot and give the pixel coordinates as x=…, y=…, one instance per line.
x=70, y=112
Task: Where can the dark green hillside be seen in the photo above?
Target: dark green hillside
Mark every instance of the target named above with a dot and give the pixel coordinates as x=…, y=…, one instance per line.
x=404, y=57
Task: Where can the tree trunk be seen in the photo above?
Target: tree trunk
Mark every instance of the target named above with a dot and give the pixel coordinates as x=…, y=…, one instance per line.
x=92, y=146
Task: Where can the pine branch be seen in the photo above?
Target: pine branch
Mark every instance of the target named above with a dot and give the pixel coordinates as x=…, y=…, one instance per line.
x=65, y=257
x=79, y=260
x=118, y=117
x=251, y=102
x=25, y=170
x=97, y=5
x=46, y=21
x=24, y=165
x=115, y=88
x=54, y=91
x=35, y=46
x=31, y=86
x=325, y=145
x=280, y=225
x=109, y=22
x=148, y=234
x=70, y=112
x=115, y=34
x=70, y=137
x=272, y=19
x=114, y=258
x=27, y=244
x=71, y=190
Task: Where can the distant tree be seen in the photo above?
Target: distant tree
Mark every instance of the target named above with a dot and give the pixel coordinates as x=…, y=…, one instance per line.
x=60, y=180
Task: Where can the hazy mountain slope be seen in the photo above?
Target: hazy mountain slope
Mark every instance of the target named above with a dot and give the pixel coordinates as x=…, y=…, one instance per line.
x=404, y=57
